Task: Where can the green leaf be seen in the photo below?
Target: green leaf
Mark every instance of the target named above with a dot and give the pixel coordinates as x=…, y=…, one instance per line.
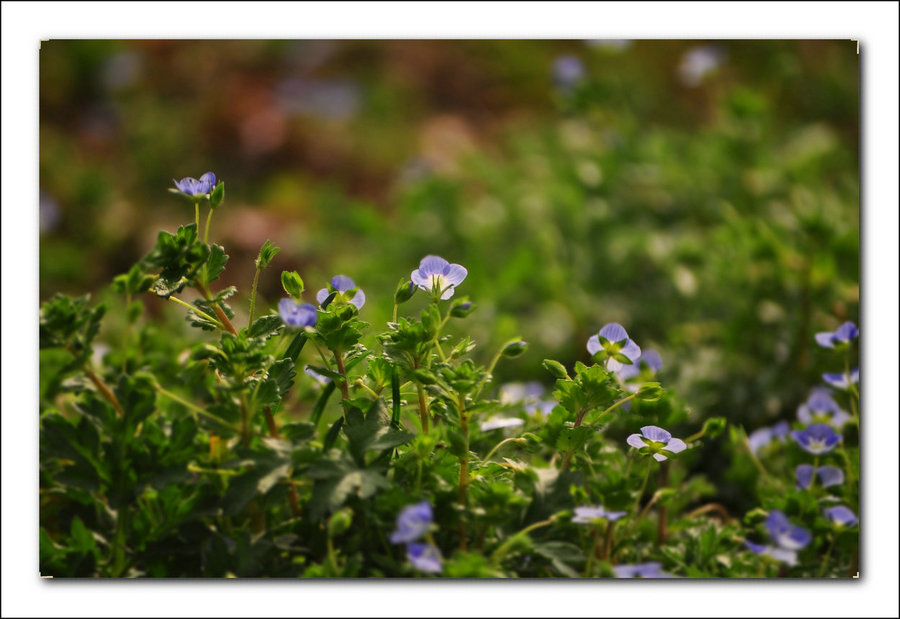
x=339, y=480
x=215, y=264
x=332, y=434
x=81, y=540
x=321, y=402
x=562, y=556
x=372, y=432
x=266, y=253
x=267, y=325
x=217, y=195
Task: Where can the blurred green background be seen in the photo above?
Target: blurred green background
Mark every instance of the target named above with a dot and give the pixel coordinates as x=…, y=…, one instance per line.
x=705, y=194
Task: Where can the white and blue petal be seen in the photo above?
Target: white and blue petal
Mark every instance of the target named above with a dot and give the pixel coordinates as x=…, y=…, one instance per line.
x=593, y=345
x=433, y=265
x=830, y=476
x=424, y=557
x=613, y=332
x=676, y=445
x=636, y=441
x=455, y=274
x=841, y=515
x=655, y=433
x=804, y=474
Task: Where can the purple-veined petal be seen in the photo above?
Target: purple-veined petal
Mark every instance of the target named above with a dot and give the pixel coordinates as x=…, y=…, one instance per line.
x=421, y=280
x=593, y=345
x=359, y=299
x=614, y=366
x=636, y=441
x=455, y=274
x=613, y=332
x=448, y=293
x=432, y=265
x=804, y=474
x=655, y=433
x=322, y=295
x=660, y=457
x=297, y=315
x=209, y=178
x=830, y=476
x=631, y=350
x=676, y=445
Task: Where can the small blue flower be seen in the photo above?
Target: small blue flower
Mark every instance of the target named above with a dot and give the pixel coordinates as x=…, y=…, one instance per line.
x=779, y=554
x=413, y=522
x=763, y=436
x=842, y=381
x=424, y=557
x=821, y=408
x=342, y=284
x=438, y=277
x=588, y=515
x=567, y=72
x=495, y=423
x=817, y=439
x=841, y=516
x=660, y=442
x=193, y=187
x=297, y=314
x=640, y=570
x=829, y=476
x=786, y=534
x=844, y=334
x=319, y=378
x=614, y=342
x=649, y=362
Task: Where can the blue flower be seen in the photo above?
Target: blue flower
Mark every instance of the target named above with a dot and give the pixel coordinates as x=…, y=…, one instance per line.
x=844, y=334
x=613, y=341
x=649, y=362
x=660, y=442
x=829, y=475
x=763, y=436
x=817, y=439
x=528, y=394
x=495, y=423
x=297, y=314
x=842, y=381
x=413, y=522
x=779, y=554
x=640, y=570
x=319, y=378
x=567, y=72
x=587, y=515
x=438, y=277
x=192, y=187
x=841, y=516
x=786, y=534
x=342, y=284
x=821, y=408
x=424, y=557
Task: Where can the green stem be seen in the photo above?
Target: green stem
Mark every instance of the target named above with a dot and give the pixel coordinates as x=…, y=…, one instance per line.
x=663, y=511
x=197, y=215
x=827, y=556
x=520, y=441
x=637, y=501
x=394, y=315
x=197, y=311
x=756, y=461
x=359, y=383
x=339, y=362
x=192, y=407
x=463, y=473
x=208, y=220
x=253, y=297
x=501, y=551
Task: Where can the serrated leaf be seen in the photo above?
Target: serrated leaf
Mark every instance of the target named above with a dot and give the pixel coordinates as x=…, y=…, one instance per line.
x=266, y=325
x=215, y=264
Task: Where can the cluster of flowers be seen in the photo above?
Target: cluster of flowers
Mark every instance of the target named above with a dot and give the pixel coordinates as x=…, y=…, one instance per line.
x=823, y=419
x=414, y=522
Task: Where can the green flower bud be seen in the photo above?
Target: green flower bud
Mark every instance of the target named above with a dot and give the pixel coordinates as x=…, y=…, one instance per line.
x=340, y=521
x=557, y=369
x=515, y=348
x=649, y=392
x=292, y=283
x=404, y=292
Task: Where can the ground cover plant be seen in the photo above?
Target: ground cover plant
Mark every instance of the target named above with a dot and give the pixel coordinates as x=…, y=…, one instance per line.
x=471, y=309
x=175, y=456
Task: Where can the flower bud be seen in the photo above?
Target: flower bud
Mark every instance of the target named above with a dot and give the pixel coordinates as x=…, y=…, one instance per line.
x=649, y=392
x=292, y=283
x=557, y=369
x=515, y=348
x=405, y=291
x=462, y=308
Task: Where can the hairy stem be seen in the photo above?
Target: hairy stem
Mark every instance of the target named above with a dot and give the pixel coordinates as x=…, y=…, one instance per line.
x=339, y=362
x=103, y=389
x=253, y=297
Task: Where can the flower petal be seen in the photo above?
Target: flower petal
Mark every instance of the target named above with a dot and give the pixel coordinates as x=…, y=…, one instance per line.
x=842, y=515
x=846, y=332
x=631, y=350
x=613, y=332
x=342, y=283
x=424, y=557
x=209, y=178
x=432, y=265
x=359, y=299
x=830, y=476
x=448, y=293
x=676, y=445
x=655, y=433
x=322, y=295
x=660, y=457
x=593, y=344
x=455, y=274
x=824, y=339
x=804, y=474
x=636, y=441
